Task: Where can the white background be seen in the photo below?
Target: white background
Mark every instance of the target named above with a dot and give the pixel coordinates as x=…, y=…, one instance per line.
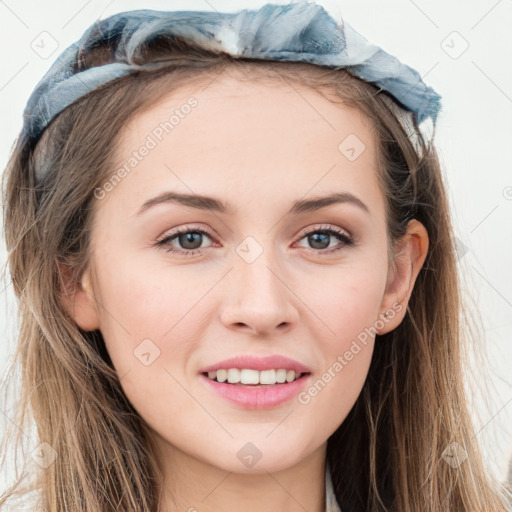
x=474, y=138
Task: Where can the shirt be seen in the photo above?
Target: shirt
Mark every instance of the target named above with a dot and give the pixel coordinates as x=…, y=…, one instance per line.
x=331, y=505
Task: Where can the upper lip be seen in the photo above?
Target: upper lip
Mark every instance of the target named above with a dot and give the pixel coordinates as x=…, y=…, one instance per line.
x=258, y=363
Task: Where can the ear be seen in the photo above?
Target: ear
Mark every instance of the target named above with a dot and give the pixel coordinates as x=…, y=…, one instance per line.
x=411, y=254
x=78, y=298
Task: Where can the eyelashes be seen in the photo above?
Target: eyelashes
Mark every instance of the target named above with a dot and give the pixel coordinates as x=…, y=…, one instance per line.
x=166, y=242
x=322, y=233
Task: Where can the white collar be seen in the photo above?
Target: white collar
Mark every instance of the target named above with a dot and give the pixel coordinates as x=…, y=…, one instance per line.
x=331, y=505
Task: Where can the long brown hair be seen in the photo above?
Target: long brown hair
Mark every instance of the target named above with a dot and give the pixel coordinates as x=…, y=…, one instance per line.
x=388, y=453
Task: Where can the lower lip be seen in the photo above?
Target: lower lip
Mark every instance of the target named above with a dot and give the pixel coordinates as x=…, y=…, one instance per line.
x=257, y=397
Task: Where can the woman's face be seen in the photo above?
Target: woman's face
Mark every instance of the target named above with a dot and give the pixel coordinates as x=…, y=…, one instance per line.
x=256, y=278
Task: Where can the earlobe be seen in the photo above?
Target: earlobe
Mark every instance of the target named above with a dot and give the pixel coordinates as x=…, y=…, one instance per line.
x=78, y=299
x=411, y=254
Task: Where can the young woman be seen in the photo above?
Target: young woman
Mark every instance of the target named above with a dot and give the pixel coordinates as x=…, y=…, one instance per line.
x=231, y=243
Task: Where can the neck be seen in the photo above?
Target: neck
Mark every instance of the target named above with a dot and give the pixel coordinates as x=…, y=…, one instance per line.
x=194, y=485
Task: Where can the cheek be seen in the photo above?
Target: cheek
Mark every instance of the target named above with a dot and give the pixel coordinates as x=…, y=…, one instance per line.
x=146, y=299
x=346, y=300
x=150, y=331
x=347, y=306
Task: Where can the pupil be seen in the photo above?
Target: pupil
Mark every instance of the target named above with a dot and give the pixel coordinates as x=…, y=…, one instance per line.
x=314, y=239
x=188, y=238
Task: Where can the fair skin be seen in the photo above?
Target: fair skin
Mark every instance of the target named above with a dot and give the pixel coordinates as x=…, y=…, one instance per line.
x=258, y=148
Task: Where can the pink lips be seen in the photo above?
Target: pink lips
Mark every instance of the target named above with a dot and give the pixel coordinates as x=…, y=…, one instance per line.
x=258, y=397
x=258, y=363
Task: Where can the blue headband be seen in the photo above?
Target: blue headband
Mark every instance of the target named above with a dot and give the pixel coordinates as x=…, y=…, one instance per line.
x=299, y=31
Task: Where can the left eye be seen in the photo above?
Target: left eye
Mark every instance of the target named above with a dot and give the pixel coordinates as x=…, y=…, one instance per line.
x=323, y=235
x=191, y=240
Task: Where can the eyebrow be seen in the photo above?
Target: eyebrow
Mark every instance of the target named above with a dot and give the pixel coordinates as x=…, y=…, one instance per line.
x=208, y=203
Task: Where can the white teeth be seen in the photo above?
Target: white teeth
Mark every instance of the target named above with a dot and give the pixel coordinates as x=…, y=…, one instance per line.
x=250, y=377
x=233, y=375
x=281, y=376
x=247, y=376
x=267, y=377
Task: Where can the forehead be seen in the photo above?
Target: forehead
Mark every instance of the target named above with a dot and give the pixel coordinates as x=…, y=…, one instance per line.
x=262, y=136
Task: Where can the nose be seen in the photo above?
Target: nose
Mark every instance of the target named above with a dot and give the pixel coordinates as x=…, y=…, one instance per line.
x=259, y=298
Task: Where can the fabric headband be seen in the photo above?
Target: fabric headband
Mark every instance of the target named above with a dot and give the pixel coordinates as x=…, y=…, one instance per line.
x=300, y=31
